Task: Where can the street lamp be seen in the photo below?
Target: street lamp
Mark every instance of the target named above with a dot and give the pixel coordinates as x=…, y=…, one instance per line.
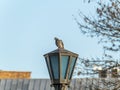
x=60, y=64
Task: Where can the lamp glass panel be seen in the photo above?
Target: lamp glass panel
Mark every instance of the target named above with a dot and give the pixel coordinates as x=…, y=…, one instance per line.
x=48, y=65
x=72, y=64
x=64, y=65
x=55, y=66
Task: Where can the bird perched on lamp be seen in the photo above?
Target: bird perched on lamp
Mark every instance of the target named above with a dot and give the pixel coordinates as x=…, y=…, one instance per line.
x=59, y=43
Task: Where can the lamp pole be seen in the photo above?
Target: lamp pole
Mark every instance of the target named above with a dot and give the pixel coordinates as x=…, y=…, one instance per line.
x=60, y=87
x=60, y=64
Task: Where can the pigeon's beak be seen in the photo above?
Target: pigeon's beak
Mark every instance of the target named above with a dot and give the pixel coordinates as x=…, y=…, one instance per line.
x=55, y=38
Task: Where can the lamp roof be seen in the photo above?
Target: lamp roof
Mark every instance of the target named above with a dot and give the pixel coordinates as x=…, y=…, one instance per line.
x=61, y=50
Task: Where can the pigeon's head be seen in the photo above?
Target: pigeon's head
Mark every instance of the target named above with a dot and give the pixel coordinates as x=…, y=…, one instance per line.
x=56, y=38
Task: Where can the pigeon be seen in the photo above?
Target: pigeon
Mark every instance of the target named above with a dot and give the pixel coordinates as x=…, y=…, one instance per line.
x=59, y=43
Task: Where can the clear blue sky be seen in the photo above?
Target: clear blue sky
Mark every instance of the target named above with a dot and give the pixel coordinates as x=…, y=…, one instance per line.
x=28, y=28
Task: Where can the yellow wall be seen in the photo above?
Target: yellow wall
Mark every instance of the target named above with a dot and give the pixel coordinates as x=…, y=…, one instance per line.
x=14, y=75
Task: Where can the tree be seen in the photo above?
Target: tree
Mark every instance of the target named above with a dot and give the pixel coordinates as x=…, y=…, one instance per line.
x=106, y=25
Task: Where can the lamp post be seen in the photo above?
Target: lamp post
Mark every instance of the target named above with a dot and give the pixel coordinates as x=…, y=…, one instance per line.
x=60, y=64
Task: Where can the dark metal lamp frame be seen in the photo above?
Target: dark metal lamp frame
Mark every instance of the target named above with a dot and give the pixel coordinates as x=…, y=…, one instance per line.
x=61, y=83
